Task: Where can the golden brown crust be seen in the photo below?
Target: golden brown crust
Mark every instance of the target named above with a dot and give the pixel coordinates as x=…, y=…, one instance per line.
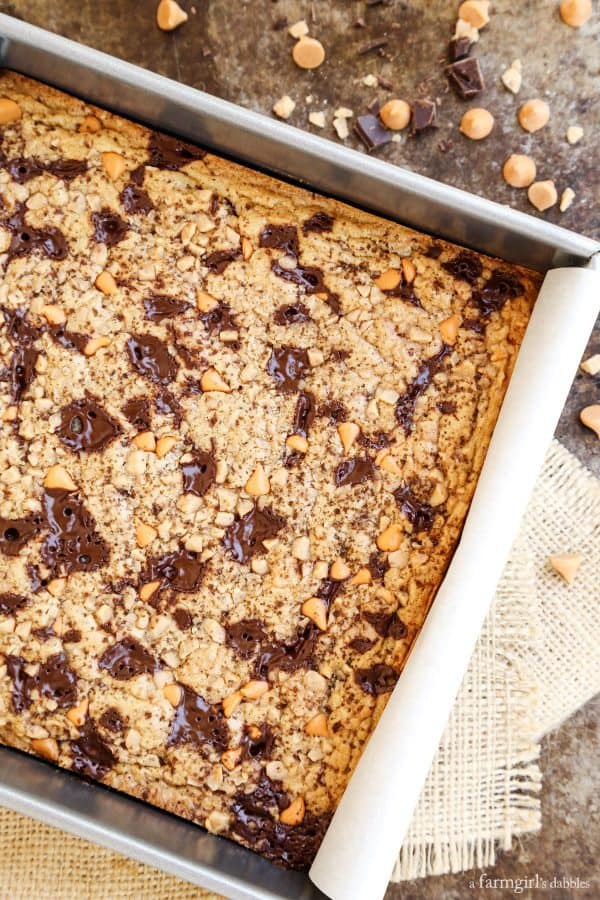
x=410, y=339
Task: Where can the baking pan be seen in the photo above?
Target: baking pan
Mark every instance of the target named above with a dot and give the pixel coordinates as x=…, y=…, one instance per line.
x=93, y=811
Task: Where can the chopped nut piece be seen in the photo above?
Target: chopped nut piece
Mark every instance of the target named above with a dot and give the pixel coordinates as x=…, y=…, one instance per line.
x=231, y=758
x=370, y=80
x=135, y=463
x=145, y=440
x=590, y=416
x=298, y=29
x=566, y=198
x=317, y=119
x=575, y=13
x=519, y=170
x=348, y=432
x=390, y=538
x=107, y=284
x=395, y=114
x=284, y=107
x=533, y=115
x=475, y=12
x=247, y=248
x=542, y=195
x=231, y=703
x=301, y=548
x=56, y=586
x=145, y=534
x=170, y=15
x=95, y=344
x=78, y=714
x=315, y=609
x=205, y=302
x=253, y=690
x=46, y=747
x=114, y=164
x=512, y=77
x=567, y=565
x=54, y=315
x=409, y=270
x=449, y=329
x=172, y=693
x=317, y=726
x=341, y=128
x=294, y=813
x=438, y=495
x=258, y=483
x=308, y=53
x=574, y=134
x=148, y=589
x=90, y=125
x=58, y=479
x=389, y=280
x=297, y=443
x=9, y=111
x=477, y=123
x=592, y=364
x=340, y=570
x=342, y=112
x=212, y=381
x=165, y=444
x=363, y=576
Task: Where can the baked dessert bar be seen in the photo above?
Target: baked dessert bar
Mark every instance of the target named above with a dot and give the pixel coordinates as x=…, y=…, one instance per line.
x=241, y=425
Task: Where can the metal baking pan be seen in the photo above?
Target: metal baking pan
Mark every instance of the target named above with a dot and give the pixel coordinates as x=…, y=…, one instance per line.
x=91, y=810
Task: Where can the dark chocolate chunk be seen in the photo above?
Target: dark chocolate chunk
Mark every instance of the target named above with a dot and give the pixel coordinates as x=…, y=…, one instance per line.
x=304, y=414
x=183, y=618
x=27, y=240
x=291, y=314
x=376, y=44
x=136, y=200
x=180, y=570
x=22, y=371
x=44, y=633
x=287, y=366
x=458, y=48
x=67, y=169
x=151, y=358
x=377, y=679
x=159, y=307
x=447, y=407
x=466, y=77
x=328, y=591
x=419, y=513
x=424, y=115
x=386, y=624
x=85, y=425
x=21, y=682
x=405, y=407
x=376, y=441
x=465, y=267
x=10, y=603
x=219, y=318
x=310, y=278
x=434, y=251
x=288, y=655
x=112, y=720
x=138, y=175
x=280, y=237
x=72, y=543
x=362, y=645
x=372, y=132
x=257, y=741
x=54, y=679
x=245, y=637
x=378, y=565
x=500, y=287
x=70, y=340
x=218, y=260
x=198, y=722
x=126, y=659
x=244, y=537
x=318, y=223
x=137, y=412
x=167, y=405
x=15, y=533
x=109, y=227
x=166, y=152
x=199, y=473
x=91, y=755
x=72, y=636
x=354, y=471
x=24, y=169
x=334, y=411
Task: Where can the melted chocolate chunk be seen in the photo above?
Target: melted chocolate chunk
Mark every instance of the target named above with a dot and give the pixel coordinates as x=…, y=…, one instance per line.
x=280, y=237
x=72, y=636
x=466, y=77
x=183, y=618
x=500, y=287
x=318, y=223
x=376, y=441
x=218, y=261
x=288, y=655
x=372, y=132
x=151, y=358
x=405, y=407
x=434, y=251
x=159, y=307
x=257, y=741
x=198, y=722
x=378, y=565
x=15, y=533
x=447, y=407
x=334, y=411
x=137, y=412
x=377, y=679
x=25, y=168
x=22, y=371
x=85, y=425
x=328, y=591
x=167, y=405
x=166, y=152
x=464, y=267
x=55, y=679
x=44, y=633
x=136, y=200
x=27, y=240
x=458, y=48
x=333, y=302
x=10, y=603
x=109, y=227
x=362, y=645
x=180, y=570
x=287, y=366
x=111, y=720
x=198, y=474
x=21, y=682
x=67, y=169
x=91, y=755
x=386, y=624
x=138, y=175
x=424, y=116
x=304, y=414
x=70, y=340
x=126, y=659
x=291, y=314
x=72, y=544
x=420, y=514
x=308, y=277
x=246, y=637
x=354, y=471
x=244, y=537
x=219, y=319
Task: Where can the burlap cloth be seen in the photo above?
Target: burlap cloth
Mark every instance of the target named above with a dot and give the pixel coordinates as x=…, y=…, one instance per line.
x=536, y=662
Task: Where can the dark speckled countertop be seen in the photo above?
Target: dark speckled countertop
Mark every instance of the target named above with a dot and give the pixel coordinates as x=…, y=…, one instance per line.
x=238, y=49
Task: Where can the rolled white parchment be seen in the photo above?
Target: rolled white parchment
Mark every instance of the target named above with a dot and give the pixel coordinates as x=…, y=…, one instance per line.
x=360, y=847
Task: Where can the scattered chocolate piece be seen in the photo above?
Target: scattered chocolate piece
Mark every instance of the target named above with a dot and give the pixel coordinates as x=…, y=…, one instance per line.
x=16, y=533
x=109, y=227
x=424, y=115
x=198, y=722
x=180, y=570
x=458, y=48
x=136, y=200
x=91, y=755
x=244, y=538
x=318, y=223
x=112, y=720
x=10, y=603
x=166, y=152
x=127, y=659
x=466, y=77
x=405, y=407
x=246, y=637
x=199, y=473
x=354, y=471
x=419, y=513
x=292, y=314
x=377, y=679
x=287, y=366
x=137, y=413
x=371, y=131
x=218, y=261
x=465, y=267
x=86, y=426
x=280, y=237
x=151, y=358
x=72, y=543
x=376, y=44
x=159, y=307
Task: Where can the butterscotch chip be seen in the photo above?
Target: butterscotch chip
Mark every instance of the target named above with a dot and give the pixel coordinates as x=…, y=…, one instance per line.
x=590, y=416
x=78, y=714
x=90, y=125
x=533, y=115
x=165, y=444
x=231, y=758
x=114, y=164
x=449, y=329
x=317, y=726
x=340, y=570
x=298, y=29
x=58, y=479
x=56, y=587
x=95, y=344
x=389, y=280
x=308, y=53
x=513, y=76
x=348, y=432
x=253, y=690
x=231, y=703
x=107, y=284
x=519, y=170
x=294, y=814
x=363, y=576
x=258, y=483
x=297, y=443
x=390, y=538
x=475, y=12
x=46, y=747
x=10, y=111
x=145, y=440
x=314, y=609
x=395, y=114
x=477, y=123
x=147, y=590
x=54, y=315
x=542, y=195
x=169, y=15
x=145, y=534
x=567, y=565
x=409, y=270
x=212, y=381
x=575, y=12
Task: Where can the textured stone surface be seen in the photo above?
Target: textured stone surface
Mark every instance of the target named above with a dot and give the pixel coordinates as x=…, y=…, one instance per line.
x=232, y=50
